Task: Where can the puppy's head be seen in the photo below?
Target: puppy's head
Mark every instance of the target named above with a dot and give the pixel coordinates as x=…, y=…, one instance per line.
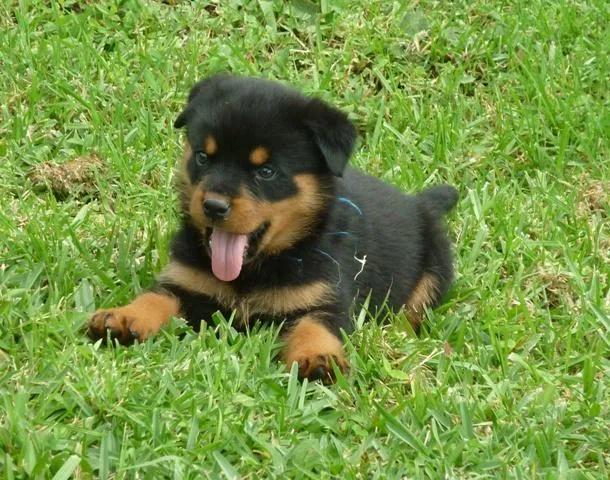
x=258, y=166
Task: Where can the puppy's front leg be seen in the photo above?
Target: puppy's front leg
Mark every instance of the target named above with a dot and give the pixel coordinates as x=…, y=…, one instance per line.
x=314, y=347
x=142, y=318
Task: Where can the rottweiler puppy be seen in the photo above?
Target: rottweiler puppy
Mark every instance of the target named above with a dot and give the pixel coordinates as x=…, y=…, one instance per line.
x=276, y=228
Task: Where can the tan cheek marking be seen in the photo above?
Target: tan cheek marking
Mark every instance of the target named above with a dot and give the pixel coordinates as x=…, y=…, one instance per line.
x=184, y=176
x=259, y=155
x=245, y=214
x=185, y=187
x=292, y=219
x=244, y=218
x=424, y=294
x=210, y=147
x=196, y=207
x=188, y=151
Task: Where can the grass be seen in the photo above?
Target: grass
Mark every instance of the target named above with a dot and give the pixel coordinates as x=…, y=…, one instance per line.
x=510, y=377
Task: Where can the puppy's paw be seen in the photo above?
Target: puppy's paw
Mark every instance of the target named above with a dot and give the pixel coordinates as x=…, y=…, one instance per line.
x=137, y=321
x=319, y=367
x=113, y=321
x=315, y=349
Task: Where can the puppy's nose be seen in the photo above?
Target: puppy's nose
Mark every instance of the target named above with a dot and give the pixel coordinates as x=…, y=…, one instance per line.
x=216, y=209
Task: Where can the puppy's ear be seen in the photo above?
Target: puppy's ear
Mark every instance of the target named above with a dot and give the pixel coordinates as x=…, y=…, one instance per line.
x=333, y=133
x=203, y=91
x=182, y=118
x=186, y=113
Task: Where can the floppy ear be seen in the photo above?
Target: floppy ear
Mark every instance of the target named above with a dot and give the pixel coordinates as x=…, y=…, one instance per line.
x=182, y=118
x=333, y=133
x=210, y=84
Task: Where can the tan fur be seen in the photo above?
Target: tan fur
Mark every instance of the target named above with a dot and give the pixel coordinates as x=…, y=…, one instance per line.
x=184, y=176
x=197, y=281
x=195, y=206
x=210, y=147
x=186, y=188
x=142, y=318
x=313, y=347
x=244, y=217
x=424, y=294
x=276, y=301
x=259, y=156
x=188, y=153
x=290, y=219
x=283, y=300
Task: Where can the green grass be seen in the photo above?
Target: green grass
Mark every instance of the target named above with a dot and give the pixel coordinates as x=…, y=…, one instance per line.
x=510, y=377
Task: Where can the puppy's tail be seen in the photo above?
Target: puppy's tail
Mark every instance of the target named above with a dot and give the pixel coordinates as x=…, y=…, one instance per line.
x=439, y=199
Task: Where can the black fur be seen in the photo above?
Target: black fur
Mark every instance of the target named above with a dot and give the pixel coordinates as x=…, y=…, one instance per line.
x=369, y=238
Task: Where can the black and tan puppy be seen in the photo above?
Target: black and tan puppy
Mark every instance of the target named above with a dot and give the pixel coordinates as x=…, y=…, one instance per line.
x=277, y=229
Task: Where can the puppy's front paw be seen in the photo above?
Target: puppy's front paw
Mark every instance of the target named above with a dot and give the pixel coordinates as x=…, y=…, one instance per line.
x=315, y=349
x=319, y=367
x=114, y=321
x=137, y=321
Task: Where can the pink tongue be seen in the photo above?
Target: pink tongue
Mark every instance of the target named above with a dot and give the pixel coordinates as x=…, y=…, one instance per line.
x=227, y=254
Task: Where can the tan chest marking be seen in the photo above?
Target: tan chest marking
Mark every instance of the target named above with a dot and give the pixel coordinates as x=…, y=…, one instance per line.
x=273, y=301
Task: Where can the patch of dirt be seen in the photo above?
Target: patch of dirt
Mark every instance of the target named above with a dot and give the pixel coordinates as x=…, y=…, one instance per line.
x=74, y=178
x=557, y=289
x=212, y=9
x=595, y=198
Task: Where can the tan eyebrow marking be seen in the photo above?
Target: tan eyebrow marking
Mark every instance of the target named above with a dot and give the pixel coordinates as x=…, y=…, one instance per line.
x=210, y=147
x=259, y=155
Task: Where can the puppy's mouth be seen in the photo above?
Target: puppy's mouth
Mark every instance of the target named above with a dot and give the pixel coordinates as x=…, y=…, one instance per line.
x=229, y=251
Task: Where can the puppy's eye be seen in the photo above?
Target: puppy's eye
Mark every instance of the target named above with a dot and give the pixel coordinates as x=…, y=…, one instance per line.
x=201, y=158
x=265, y=172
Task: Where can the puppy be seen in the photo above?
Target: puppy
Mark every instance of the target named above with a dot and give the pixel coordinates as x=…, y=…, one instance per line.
x=276, y=228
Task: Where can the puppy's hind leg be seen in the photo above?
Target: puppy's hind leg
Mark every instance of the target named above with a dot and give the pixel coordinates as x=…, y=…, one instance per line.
x=438, y=271
x=426, y=294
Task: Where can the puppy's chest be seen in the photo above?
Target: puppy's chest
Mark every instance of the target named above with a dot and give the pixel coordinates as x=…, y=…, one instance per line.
x=274, y=302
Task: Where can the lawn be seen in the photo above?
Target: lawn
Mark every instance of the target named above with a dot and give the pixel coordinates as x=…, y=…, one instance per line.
x=510, y=378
